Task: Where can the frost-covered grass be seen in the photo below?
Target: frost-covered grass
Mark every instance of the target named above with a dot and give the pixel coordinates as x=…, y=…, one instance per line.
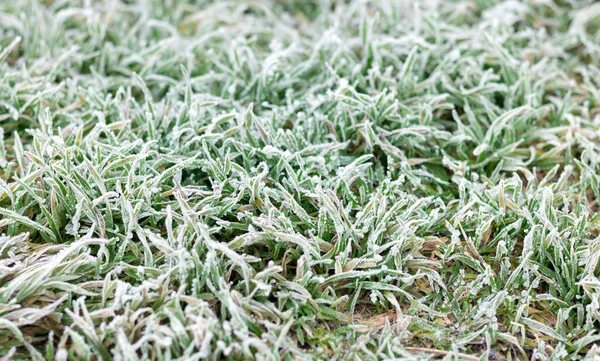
x=297, y=180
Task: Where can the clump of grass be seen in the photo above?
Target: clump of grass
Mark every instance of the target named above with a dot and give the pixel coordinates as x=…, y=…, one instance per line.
x=186, y=180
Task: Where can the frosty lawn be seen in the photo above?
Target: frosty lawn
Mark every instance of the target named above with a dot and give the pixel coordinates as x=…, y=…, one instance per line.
x=298, y=180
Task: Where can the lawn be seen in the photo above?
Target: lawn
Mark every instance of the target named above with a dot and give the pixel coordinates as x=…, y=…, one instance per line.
x=299, y=180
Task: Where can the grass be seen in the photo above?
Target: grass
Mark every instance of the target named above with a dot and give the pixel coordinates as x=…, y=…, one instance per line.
x=298, y=180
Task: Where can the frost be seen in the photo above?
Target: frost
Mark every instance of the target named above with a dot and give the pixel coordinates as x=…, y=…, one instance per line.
x=278, y=179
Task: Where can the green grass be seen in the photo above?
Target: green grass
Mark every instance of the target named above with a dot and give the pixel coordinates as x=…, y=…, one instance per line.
x=299, y=180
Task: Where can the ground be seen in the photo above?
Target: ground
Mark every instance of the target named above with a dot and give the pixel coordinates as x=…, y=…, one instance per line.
x=299, y=180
